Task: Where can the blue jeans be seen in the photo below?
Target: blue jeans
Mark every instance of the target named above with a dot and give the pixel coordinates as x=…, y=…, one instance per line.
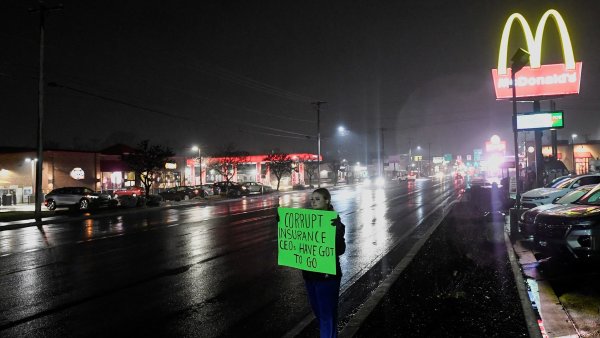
x=323, y=296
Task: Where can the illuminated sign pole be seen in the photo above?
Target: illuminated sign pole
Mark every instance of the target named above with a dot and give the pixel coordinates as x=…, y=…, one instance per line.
x=537, y=81
x=519, y=60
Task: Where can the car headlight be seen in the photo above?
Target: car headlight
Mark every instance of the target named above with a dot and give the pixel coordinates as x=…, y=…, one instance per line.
x=540, y=198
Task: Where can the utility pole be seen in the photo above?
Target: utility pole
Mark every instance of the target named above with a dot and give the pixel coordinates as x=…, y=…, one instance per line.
x=318, y=105
x=40, y=148
x=382, y=155
x=429, y=155
x=409, y=154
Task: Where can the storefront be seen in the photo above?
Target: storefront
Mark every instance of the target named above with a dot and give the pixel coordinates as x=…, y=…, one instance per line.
x=99, y=171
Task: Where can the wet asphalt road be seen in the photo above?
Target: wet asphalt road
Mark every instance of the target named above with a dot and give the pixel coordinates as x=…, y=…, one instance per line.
x=206, y=271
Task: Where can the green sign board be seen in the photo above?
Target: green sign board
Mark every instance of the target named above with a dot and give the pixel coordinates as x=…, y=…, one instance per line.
x=477, y=154
x=540, y=120
x=447, y=157
x=306, y=239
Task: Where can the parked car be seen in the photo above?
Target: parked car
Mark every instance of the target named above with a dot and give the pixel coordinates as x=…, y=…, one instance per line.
x=527, y=219
x=79, y=198
x=207, y=190
x=541, y=196
x=180, y=193
x=222, y=187
x=130, y=191
x=573, y=229
x=257, y=188
x=237, y=190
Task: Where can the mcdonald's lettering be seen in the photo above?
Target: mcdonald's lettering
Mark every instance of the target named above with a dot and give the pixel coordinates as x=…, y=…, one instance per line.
x=537, y=80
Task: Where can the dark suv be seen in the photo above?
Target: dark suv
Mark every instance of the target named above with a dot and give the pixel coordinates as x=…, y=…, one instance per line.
x=80, y=198
x=574, y=229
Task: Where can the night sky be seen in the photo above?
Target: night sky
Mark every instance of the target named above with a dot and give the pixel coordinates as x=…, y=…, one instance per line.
x=210, y=73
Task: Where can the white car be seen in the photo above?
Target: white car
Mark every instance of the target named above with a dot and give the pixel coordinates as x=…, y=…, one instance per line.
x=547, y=195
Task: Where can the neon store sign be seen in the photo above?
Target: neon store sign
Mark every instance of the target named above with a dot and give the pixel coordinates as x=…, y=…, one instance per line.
x=537, y=80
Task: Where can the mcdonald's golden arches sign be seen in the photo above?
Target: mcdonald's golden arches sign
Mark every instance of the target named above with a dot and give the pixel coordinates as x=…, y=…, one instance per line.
x=537, y=80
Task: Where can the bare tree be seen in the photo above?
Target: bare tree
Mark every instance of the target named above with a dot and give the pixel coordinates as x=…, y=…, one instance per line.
x=146, y=161
x=226, y=161
x=310, y=170
x=335, y=166
x=280, y=164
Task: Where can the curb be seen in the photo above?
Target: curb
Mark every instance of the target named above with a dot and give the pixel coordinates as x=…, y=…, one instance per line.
x=556, y=320
x=530, y=316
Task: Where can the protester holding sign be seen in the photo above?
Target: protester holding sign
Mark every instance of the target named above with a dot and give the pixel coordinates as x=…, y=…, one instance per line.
x=324, y=289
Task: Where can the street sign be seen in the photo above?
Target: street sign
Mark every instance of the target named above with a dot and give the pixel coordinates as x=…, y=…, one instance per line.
x=477, y=154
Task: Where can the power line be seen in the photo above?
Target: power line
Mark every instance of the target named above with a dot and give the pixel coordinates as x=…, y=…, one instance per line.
x=163, y=113
x=54, y=84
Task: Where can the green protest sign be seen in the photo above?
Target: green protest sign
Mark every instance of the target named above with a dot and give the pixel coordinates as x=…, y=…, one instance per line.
x=306, y=239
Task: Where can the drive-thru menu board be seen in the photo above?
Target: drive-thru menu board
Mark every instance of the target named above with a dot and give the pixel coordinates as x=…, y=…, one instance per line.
x=306, y=239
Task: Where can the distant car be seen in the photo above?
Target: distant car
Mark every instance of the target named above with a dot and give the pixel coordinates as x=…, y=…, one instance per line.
x=257, y=188
x=179, y=193
x=411, y=176
x=527, y=219
x=402, y=176
x=130, y=191
x=78, y=198
x=574, y=229
x=541, y=196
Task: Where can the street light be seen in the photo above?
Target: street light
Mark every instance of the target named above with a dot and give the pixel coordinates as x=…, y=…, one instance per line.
x=519, y=60
x=420, y=162
x=573, y=137
x=196, y=148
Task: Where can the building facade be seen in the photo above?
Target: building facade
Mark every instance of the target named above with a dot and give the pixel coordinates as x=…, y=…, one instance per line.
x=106, y=171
